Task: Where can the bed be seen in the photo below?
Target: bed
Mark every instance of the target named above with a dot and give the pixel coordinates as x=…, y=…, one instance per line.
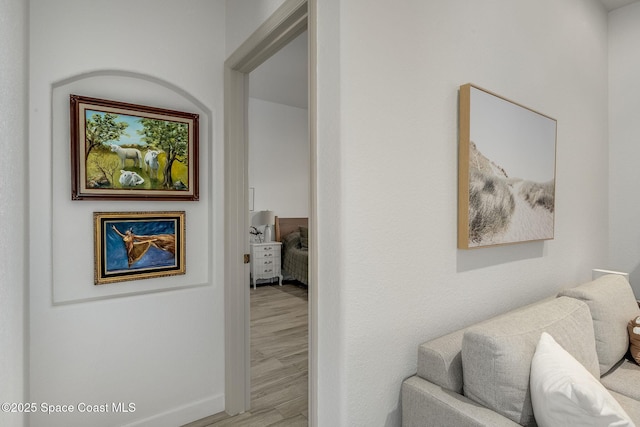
x=293, y=233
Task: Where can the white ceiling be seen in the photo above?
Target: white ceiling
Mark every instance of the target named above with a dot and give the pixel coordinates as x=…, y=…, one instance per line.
x=283, y=77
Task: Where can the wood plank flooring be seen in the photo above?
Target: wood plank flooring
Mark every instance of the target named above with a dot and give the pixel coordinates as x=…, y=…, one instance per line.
x=279, y=365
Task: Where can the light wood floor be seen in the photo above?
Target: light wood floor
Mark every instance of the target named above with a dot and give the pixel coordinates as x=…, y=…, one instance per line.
x=279, y=366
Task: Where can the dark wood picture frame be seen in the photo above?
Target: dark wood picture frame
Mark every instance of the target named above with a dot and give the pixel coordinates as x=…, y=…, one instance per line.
x=122, y=151
x=138, y=245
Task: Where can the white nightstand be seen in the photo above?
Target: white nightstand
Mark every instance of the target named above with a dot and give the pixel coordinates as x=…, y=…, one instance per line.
x=265, y=261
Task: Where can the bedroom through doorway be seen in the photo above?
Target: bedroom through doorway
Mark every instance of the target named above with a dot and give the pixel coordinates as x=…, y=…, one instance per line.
x=279, y=186
x=291, y=19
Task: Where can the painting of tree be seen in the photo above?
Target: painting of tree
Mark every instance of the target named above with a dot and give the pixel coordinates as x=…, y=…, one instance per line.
x=170, y=137
x=101, y=128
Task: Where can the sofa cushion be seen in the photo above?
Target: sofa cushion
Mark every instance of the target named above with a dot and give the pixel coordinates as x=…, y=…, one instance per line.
x=630, y=406
x=440, y=360
x=624, y=379
x=496, y=355
x=563, y=392
x=612, y=304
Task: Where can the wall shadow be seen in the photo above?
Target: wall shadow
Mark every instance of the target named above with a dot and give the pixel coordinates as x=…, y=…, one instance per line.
x=474, y=259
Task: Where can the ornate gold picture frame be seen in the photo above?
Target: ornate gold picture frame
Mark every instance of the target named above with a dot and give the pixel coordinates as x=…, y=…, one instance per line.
x=138, y=245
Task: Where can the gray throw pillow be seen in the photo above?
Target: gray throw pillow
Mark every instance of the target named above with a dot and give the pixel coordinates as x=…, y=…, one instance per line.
x=612, y=304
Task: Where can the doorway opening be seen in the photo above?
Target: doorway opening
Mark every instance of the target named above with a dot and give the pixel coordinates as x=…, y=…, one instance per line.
x=278, y=169
x=287, y=23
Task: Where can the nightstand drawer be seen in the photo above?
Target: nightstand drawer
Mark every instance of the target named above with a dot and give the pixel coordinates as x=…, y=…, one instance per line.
x=266, y=271
x=258, y=257
x=258, y=250
x=259, y=262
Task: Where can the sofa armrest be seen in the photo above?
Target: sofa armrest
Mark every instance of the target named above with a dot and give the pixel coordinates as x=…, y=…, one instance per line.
x=425, y=404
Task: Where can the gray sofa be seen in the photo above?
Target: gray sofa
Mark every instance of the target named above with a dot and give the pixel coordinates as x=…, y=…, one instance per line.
x=479, y=376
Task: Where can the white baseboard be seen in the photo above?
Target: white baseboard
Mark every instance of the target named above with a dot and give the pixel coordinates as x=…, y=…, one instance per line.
x=184, y=414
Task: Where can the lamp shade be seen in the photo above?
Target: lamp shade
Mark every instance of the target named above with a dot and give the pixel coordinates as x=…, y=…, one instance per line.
x=265, y=218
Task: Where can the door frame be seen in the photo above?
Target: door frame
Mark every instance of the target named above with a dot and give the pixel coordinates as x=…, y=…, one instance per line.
x=290, y=20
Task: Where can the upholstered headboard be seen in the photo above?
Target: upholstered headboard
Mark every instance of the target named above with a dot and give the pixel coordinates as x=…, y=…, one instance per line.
x=285, y=226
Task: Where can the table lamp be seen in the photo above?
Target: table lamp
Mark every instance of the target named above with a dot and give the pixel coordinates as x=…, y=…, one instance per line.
x=267, y=218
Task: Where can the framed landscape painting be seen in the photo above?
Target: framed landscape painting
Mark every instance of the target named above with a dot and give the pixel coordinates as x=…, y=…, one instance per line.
x=506, y=164
x=138, y=245
x=132, y=152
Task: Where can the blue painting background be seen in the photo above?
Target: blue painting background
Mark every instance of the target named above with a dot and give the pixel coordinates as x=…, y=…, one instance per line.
x=116, y=253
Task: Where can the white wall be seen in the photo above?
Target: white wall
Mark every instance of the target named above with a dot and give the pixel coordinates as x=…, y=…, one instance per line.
x=157, y=343
x=624, y=128
x=13, y=208
x=279, y=158
x=243, y=17
x=390, y=274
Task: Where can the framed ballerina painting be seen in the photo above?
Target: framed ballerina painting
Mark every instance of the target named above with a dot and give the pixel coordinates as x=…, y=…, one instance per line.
x=138, y=245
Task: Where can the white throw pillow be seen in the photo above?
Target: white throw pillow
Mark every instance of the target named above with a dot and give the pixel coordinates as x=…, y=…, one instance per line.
x=564, y=393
